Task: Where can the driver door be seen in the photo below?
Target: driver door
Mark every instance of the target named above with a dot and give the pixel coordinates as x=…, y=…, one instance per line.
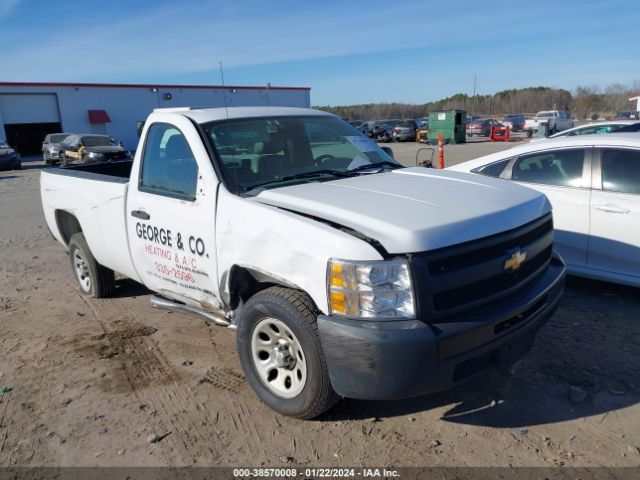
x=171, y=215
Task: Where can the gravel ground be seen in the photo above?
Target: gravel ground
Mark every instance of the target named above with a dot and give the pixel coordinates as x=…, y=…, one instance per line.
x=114, y=383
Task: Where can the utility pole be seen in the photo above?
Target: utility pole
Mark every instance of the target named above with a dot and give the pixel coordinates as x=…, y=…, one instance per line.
x=475, y=78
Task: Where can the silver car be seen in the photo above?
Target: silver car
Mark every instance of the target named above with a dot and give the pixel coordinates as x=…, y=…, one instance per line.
x=51, y=147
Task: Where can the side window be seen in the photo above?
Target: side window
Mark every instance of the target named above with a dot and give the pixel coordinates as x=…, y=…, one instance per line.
x=168, y=165
x=493, y=169
x=562, y=168
x=621, y=170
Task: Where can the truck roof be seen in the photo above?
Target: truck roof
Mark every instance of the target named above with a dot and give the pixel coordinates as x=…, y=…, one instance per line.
x=204, y=115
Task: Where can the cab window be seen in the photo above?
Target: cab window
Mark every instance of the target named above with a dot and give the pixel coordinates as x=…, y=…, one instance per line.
x=169, y=167
x=621, y=170
x=562, y=168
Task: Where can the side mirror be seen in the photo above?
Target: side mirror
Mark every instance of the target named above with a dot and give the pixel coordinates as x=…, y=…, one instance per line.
x=388, y=151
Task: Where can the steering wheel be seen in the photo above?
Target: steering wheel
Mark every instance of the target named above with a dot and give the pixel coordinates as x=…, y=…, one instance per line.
x=322, y=158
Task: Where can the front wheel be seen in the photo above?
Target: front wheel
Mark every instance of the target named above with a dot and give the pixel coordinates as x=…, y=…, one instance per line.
x=281, y=355
x=63, y=160
x=94, y=279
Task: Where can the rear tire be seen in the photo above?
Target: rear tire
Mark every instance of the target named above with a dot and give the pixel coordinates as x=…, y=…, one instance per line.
x=93, y=279
x=281, y=354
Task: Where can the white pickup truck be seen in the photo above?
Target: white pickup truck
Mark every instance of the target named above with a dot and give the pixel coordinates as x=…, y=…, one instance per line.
x=558, y=120
x=344, y=273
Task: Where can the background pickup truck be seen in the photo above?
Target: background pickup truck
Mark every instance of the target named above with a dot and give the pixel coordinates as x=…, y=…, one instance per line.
x=344, y=273
x=558, y=121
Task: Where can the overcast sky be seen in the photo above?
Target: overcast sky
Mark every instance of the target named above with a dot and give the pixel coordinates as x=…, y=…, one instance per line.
x=346, y=51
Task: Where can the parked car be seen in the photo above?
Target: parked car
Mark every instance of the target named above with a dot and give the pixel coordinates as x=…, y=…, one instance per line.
x=482, y=126
x=515, y=122
x=628, y=115
x=381, y=129
x=51, y=147
x=90, y=148
x=9, y=157
x=558, y=121
x=594, y=128
x=593, y=182
x=405, y=131
x=344, y=273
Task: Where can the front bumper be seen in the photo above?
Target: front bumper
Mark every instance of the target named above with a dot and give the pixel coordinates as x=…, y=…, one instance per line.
x=387, y=360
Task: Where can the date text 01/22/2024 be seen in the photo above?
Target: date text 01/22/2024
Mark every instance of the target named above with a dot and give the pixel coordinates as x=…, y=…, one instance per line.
x=315, y=473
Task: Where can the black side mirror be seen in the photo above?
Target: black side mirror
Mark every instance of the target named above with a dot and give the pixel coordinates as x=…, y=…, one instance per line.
x=388, y=151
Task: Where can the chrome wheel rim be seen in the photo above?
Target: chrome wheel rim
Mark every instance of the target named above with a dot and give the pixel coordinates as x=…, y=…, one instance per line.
x=82, y=271
x=278, y=358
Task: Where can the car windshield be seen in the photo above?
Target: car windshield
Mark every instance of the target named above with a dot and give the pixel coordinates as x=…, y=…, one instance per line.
x=98, y=141
x=57, y=138
x=277, y=151
x=545, y=114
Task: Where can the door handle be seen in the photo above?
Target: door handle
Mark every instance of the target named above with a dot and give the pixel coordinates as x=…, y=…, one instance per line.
x=141, y=214
x=611, y=208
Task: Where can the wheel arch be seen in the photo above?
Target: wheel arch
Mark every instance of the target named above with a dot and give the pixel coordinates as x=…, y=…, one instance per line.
x=241, y=282
x=67, y=224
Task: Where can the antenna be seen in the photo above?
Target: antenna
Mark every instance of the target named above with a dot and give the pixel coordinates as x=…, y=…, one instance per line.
x=224, y=90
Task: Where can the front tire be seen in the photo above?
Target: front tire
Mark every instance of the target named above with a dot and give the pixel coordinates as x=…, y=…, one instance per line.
x=94, y=279
x=63, y=160
x=281, y=355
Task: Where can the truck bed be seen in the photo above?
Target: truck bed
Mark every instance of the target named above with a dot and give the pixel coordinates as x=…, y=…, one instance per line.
x=105, y=172
x=95, y=195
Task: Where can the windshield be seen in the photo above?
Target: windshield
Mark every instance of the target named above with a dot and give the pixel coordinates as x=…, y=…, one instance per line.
x=546, y=114
x=99, y=141
x=57, y=138
x=267, y=151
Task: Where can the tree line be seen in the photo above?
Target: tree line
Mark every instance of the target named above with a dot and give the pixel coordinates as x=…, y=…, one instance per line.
x=584, y=103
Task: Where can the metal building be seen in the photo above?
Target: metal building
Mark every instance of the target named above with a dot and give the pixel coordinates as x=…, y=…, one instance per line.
x=29, y=111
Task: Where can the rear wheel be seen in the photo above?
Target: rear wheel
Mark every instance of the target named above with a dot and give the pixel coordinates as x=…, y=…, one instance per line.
x=94, y=279
x=281, y=354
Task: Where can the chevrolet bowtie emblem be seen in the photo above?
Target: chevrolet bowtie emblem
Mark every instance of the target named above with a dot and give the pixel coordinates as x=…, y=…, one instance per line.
x=515, y=260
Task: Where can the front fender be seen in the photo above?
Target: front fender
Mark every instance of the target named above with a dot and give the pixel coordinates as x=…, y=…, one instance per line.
x=280, y=244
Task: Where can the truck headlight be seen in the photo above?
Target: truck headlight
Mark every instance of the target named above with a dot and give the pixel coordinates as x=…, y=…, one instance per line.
x=372, y=289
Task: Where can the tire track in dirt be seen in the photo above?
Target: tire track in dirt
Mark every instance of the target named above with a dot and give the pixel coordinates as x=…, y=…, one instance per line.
x=154, y=382
x=232, y=403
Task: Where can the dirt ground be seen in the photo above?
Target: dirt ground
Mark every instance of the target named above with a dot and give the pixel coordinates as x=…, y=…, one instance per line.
x=94, y=380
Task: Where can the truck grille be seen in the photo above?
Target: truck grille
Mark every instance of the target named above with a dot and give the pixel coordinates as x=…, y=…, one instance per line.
x=485, y=288
x=467, y=275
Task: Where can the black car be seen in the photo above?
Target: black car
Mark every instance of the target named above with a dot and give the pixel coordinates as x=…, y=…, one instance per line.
x=382, y=130
x=628, y=115
x=90, y=148
x=9, y=158
x=51, y=147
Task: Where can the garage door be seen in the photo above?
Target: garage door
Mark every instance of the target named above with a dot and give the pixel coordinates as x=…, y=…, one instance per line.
x=29, y=108
x=28, y=118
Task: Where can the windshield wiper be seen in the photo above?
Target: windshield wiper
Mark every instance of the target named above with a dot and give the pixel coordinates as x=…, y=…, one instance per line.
x=315, y=173
x=386, y=163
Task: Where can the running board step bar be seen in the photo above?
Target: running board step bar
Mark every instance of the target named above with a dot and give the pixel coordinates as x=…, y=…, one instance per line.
x=171, y=306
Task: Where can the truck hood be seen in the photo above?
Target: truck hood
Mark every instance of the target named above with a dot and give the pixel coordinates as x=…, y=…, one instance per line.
x=415, y=209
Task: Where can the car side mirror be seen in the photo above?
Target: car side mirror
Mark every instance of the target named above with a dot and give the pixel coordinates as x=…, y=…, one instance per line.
x=388, y=151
